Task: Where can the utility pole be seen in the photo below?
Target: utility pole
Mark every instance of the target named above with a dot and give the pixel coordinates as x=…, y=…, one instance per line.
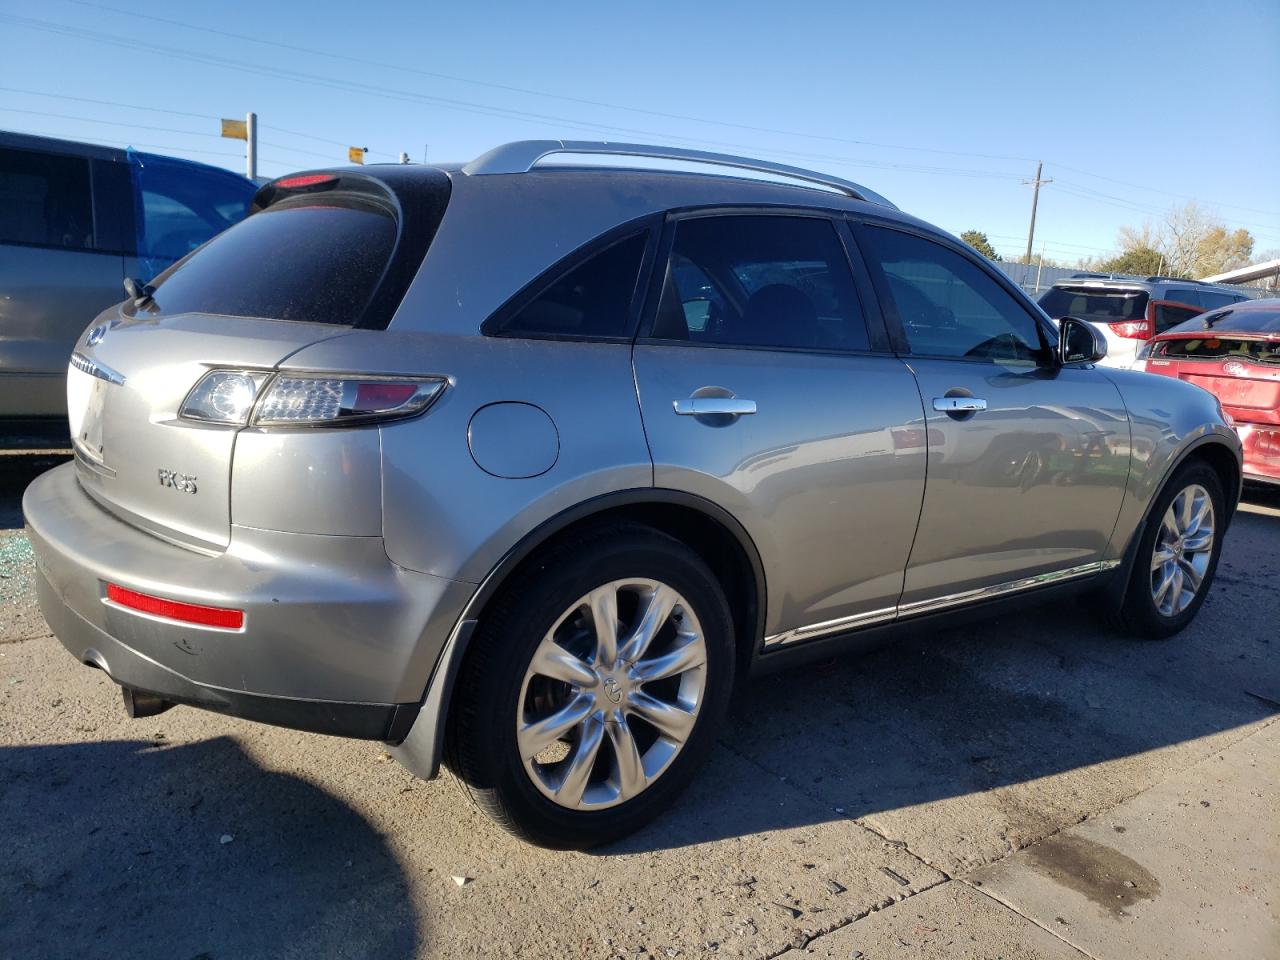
x=251, y=146
x=1035, y=200
x=1041, y=267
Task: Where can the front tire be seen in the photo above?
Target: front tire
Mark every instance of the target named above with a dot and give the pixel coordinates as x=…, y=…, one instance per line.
x=1177, y=556
x=593, y=688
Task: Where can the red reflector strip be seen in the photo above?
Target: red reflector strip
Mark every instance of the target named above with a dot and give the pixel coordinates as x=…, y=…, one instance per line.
x=306, y=180
x=173, y=610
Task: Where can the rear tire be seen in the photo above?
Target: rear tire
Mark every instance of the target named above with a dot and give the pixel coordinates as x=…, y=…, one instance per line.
x=569, y=741
x=1177, y=555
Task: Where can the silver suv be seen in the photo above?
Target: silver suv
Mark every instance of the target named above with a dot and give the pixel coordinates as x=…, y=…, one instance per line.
x=1130, y=311
x=524, y=465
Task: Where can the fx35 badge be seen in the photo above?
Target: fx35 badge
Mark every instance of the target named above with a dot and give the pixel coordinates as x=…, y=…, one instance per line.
x=182, y=482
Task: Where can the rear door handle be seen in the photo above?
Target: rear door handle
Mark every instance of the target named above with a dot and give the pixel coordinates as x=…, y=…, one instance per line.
x=709, y=406
x=958, y=404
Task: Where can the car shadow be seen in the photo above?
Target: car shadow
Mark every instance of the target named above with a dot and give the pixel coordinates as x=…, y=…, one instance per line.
x=951, y=713
x=130, y=848
x=17, y=470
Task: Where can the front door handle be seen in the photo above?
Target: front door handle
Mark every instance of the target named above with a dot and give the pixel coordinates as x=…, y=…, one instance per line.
x=710, y=406
x=959, y=404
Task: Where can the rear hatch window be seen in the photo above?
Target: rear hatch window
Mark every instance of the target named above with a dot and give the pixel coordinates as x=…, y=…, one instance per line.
x=1220, y=348
x=336, y=249
x=1095, y=305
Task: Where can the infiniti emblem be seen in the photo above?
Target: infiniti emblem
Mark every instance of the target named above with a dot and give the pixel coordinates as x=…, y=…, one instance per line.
x=612, y=690
x=97, y=334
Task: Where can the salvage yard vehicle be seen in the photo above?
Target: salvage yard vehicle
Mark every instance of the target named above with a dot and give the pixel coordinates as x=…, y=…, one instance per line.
x=522, y=464
x=1234, y=353
x=76, y=220
x=1130, y=311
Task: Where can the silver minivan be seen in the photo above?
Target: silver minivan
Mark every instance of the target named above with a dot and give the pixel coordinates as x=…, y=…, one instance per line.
x=523, y=464
x=76, y=220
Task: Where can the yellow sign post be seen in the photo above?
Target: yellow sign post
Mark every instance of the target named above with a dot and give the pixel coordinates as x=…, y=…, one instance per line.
x=356, y=154
x=235, y=129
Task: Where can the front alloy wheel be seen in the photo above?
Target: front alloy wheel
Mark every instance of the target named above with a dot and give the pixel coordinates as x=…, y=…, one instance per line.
x=1183, y=549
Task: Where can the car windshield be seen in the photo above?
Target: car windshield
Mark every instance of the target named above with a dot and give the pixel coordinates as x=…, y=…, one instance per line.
x=1095, y=305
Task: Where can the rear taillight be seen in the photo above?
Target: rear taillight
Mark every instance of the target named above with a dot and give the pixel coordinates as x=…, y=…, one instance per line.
x=1131, y=329
x=318, y=400
x=240, y=397
x=222, y=617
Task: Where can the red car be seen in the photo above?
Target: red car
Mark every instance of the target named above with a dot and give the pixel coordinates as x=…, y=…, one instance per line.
x=1234, y=353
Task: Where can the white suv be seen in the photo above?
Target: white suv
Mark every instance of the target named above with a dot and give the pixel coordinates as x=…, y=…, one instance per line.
x=1131, y=311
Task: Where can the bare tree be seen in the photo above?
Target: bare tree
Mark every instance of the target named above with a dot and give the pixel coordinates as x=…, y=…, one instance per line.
x=1189, y=242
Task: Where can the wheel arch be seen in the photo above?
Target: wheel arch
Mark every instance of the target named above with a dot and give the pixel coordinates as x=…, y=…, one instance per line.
x=1211, y=449
x=710, y=530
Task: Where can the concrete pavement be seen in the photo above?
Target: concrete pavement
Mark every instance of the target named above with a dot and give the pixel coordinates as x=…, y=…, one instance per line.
x=851, y=807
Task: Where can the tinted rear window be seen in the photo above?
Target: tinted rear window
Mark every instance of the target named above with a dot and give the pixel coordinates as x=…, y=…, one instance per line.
x=316, y=261
x=1098, y=306
x=1233, y=320
x=1220, y=348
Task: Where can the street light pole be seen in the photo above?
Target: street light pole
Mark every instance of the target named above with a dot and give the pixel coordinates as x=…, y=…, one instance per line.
x=251, y=146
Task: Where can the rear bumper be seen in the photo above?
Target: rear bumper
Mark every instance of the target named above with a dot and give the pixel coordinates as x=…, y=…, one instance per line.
x=336, y=637
x=1261, y=444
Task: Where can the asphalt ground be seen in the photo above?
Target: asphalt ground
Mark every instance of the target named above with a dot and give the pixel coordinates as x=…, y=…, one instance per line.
x=1030, y=786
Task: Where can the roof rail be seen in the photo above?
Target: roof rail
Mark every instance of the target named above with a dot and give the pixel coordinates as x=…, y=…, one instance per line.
x=522, y=155
x=1163, y=279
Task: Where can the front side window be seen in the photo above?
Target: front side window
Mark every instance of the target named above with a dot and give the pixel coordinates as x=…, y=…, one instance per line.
x=947, y=305
x=590, y=301
x=45, y=200
x=760, y=281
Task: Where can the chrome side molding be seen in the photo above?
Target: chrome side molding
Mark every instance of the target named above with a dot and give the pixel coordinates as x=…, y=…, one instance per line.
x=920, y=607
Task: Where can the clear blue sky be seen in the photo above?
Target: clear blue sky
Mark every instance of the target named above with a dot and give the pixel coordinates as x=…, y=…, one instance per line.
x=942, y=106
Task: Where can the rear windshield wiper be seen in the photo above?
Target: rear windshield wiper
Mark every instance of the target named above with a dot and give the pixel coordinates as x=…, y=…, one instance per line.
x=1213, y=318
x=139, y=292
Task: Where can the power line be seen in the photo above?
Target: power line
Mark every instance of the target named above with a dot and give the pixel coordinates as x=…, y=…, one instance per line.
x=537, y=93
x=302, y=77
x=110, y=123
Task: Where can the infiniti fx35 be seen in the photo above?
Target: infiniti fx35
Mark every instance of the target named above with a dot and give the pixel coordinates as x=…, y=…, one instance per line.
x=521, y=465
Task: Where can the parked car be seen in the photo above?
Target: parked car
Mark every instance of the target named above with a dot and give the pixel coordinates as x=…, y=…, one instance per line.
x=75, y=221
x=1234, y=353
x=525, y=464
x=1128, y=311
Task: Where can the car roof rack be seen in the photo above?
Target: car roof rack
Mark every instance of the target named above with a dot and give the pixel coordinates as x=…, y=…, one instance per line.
x=522, y=155
x=1163, y=279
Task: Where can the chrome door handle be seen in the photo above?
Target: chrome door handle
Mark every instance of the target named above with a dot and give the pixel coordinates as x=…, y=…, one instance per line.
x=958, y=404
x=709, y=406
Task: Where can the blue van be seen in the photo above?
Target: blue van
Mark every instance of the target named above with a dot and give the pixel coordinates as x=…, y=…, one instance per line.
x=76, y=219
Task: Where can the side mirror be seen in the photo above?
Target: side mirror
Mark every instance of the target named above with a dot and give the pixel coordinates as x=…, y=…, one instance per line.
x=1079, y=342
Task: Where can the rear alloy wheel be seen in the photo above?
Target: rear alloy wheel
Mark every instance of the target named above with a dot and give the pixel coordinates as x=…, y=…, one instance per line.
x=1177, y=555
x=610, y=698
x=593, y=688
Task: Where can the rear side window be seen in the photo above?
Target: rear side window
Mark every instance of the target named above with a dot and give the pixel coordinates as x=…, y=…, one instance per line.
x=1191, y=297
x=316, y=261
x=182, y=207
x=760, y=281
x=1170, y=315
x=947, y=305
x=591, y=300
x=45, y=200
